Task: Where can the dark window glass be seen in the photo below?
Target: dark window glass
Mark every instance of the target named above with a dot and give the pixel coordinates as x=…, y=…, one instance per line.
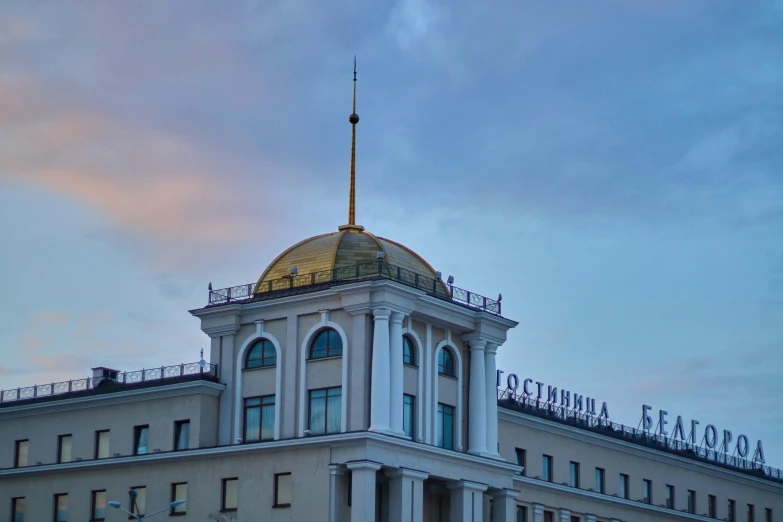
x=261, y=354
x=139, y=506
x=179, y=491
x=326, y=410
x=181, y=435
x=20, y=453
x=64, y=448
x=408, y=352
x=260, y=418
x=575, y=518
x=61, y=508
x=102, y=444
x=549, y=516
x=691, y=501
x=768, y=515
x=140, y=439
x=521, y=460
x=600, y=483
x=647, y=491
x=623, y=485
x=712, y=506
x=282, y=489
x=445, y=426
x=546, y=468
x=328, y=343
x=17, y=509
x=446, y=363
x=751, y=513
x=230, y=494
x=732, y=511
x=408, y=412
x=669, y=496
x=99, y=505
x=521, y=514
x=574, y=474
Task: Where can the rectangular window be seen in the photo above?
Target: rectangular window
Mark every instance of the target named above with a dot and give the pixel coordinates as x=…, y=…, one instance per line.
x=102, y=444
x=445, y=425
x=259, y=418
x=139, y=506
x=575, y=518
x=691, y=501
x=647, y=491
x=669, y=496
x=140, y=439
x=768, y=515
x=282, y=489
x=546, y=468
x=181, y=435
x=326, y=410
x=521, y=514
x=64, y=448
x=17, y=509
x=574, y=475
x=408, y=412
x=99, y=505
x=230, y=494
x=600, y=482
x=549, y=516
x=179, y=491
x=521, y=460
x=751, y=513
x=61, y=507
x=623, y=485
x=712, y=506
x=20, y=453
x=732, y=512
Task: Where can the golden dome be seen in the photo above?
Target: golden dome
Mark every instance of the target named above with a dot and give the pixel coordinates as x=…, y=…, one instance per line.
x=351, y=246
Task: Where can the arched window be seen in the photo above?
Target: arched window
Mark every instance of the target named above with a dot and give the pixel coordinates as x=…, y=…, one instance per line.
x=262, y=354
x=328, y=343
x=408, y=351
x=446, y=362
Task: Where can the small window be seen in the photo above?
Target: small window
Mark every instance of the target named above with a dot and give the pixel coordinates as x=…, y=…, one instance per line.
x=326, y=410
x=328, y=343
x=768, y=515
x=408, y=351
x=179, y=491
x=446, y=363
x=574, y=474
x=181, y=435
x=282, y=489
x=102, y=444
x=546, y=468
x=259, y=418
x=647, y=491
x=445, y=426
x=141, y=439
x=408, y=414
x=521, y=456
x=99, y=505
x=139, y=506
x=230, y=494
x=575, y=518
x=549, y=516
x=64, y=448
x=521, y=514
x=712, y=506
x=669, y=496
x=61, y=507
x=600, y=482
x=261, y=355
x=691, y=501
x=732, y=511
x=20, y=453
x=751, y=513
x=623, y=485
x=17, y=509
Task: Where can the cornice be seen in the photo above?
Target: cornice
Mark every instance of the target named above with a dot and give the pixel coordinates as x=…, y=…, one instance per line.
x=597, y=439
x=163, y=391
x=220, y=331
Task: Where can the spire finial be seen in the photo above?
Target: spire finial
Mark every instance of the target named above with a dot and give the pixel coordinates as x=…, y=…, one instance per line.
x=354, y=119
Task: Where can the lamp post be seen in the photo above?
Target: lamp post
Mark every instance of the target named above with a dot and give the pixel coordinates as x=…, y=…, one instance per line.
x=132, y=494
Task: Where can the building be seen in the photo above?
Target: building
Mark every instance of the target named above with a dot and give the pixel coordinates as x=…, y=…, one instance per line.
x=351, y=383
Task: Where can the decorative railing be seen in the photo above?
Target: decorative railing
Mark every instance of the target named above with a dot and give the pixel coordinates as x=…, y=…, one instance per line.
x=347, y=274
x=589, y=420
x=204, y=370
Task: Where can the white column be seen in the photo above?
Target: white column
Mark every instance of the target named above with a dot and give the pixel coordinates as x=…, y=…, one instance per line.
x=477, y=401
x=565, y=515
x=363, y=490
x=379, y=390
x=395, y=354
x=538, y=513
x=490, y=369
x=467, y=501
x=406, y=495
x=336, y=493
x=505, y=505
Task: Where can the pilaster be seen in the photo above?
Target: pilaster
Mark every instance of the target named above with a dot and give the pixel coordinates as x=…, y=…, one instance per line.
x=380, y=393
x=565, y=515
x=363, y=490
x=477, y=399
x=538, y=513
x=406, y=495
x=395, y=355
x=336, y=492
x=467, y=501
x=490, y=369
x=505, y=505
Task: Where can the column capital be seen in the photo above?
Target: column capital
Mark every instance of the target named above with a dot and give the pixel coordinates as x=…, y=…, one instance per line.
x=491, y=348
x=363, y=464
x=565, y=515
x=406, y=473
x=397, y=317
x=477, y=344
x=466, y=484
x=505, y=493
x=538, y=509
x=381, y=313
x=336, y=469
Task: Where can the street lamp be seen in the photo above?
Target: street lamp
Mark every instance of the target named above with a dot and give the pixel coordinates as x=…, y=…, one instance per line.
x=132, y=494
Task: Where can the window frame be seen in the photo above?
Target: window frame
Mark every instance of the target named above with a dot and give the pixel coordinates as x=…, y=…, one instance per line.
x=523, y=511
x=670, y=496
x=600, y=480
x=409, y=406
x=326, y=409
x=260, y=407
x=751, y=513
x=14, y=510
x=98, y=434
x=93, y=507
x=264, y=361
x=648, y=484
x=625, y=486
x=547, y=463
x=172, y=511
x=276, y=497
x=224, y=482
x=137, y=430
x=329, y=348
x=60, y=439
x=573, y=474
x=178, y=431
x=691, y=507
x=439, y=419
x=712, y=506
x=731, y=513
x=442, y=362
x=17, y=446
x=134, y=503
x=521, y=452
x=768, y=515
x=57, y=497
x=412, y=360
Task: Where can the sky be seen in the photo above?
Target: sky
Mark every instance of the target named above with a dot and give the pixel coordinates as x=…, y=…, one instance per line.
x=613, y=168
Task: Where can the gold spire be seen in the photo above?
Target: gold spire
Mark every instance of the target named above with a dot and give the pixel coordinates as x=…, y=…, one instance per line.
x=354, y=119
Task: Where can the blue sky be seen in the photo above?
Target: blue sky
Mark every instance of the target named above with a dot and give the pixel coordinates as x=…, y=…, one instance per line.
x=613, y=168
